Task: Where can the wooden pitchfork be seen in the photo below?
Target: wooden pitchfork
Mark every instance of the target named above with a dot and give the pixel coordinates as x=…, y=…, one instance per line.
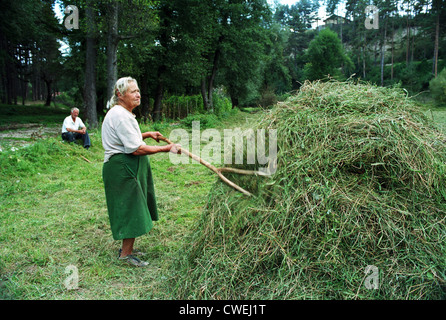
x=218, y=171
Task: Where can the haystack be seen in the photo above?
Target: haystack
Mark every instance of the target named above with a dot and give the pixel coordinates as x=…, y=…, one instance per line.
x=355, y=210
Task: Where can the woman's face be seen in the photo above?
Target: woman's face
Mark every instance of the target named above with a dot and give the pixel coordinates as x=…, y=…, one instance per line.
x=131, y=99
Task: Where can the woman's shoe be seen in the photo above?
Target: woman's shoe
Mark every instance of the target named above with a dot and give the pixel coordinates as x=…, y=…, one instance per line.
x=134, y=261
x=135, y=252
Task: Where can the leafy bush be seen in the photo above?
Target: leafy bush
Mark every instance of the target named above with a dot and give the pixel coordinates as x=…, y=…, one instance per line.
x=71, y=98
x=180, y=106
x=438, y=88
x=222, y=104
x=206, y=120
x=326, y=56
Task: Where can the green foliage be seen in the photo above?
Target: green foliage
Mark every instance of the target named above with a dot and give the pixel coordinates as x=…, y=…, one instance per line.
x=222, y=109
x=182, y=106
x=222, y=105
x=414, y=77
x=206, y=121
x=241, y=45
x=276, y=73
x=178, y=107
x=326, y=56
x=438, y=88
x=268, y=98
x=32, y=27
x=10, y=114
x=253, y=49
x=70, y=97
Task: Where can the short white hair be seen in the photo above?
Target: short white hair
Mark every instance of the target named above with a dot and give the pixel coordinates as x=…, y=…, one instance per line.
x=121, y=86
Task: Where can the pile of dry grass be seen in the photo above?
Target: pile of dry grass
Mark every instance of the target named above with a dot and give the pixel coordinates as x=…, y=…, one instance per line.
x=360, y=181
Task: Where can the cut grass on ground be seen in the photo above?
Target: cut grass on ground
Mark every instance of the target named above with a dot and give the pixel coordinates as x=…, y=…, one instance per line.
x=53, y=215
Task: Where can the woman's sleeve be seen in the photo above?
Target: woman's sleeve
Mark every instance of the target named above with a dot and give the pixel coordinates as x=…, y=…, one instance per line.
x=130, y=135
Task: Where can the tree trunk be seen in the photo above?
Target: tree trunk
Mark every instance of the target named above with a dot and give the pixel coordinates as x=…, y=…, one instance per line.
x=9, y=74
x=3, y=88
x=48, y=93
x=413, y=46
x=112, y=47
x=383, y=45
x=408, y=41
x=364, y=56
x=156, y=113
x=24, y=88
x=234, y=102
x=437, y=32
x=204, y=93
x=207, y=92
x=342, y=40
x=212, y=78
x=144, y=98
x=393, y=44
x=375, y=54
x=90, y=69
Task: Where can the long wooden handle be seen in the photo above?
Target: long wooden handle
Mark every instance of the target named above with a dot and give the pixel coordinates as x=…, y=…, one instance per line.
x=211, y=167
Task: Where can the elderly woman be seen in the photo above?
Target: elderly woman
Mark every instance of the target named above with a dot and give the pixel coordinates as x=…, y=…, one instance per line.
x=127, y=175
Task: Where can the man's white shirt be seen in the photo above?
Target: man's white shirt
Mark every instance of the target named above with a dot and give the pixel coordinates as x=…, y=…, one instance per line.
x=74, y=125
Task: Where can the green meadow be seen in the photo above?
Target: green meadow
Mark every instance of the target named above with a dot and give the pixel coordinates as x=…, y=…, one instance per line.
x=53, y=214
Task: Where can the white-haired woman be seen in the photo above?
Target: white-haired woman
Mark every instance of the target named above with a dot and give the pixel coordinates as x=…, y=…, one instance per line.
x=127, y=175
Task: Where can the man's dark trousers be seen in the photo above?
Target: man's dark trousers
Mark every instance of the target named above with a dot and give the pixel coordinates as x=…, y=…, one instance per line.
x=72, y=136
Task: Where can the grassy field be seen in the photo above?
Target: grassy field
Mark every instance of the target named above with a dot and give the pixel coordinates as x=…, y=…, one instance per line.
x=53, y=213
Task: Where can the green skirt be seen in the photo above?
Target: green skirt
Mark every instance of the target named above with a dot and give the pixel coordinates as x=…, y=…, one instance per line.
x=130, y=195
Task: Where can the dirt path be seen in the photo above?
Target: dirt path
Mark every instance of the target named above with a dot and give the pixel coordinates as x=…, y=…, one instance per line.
x=21, y=135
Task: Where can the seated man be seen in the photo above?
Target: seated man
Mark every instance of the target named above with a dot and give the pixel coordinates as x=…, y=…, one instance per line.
x=73, y=128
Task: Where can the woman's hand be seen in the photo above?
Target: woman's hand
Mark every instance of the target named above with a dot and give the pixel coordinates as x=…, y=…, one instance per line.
x=147, y=150
x=175, y=148
x=155, y=135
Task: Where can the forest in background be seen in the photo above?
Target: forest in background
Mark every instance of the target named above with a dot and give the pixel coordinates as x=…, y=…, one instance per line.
x=195, y=56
